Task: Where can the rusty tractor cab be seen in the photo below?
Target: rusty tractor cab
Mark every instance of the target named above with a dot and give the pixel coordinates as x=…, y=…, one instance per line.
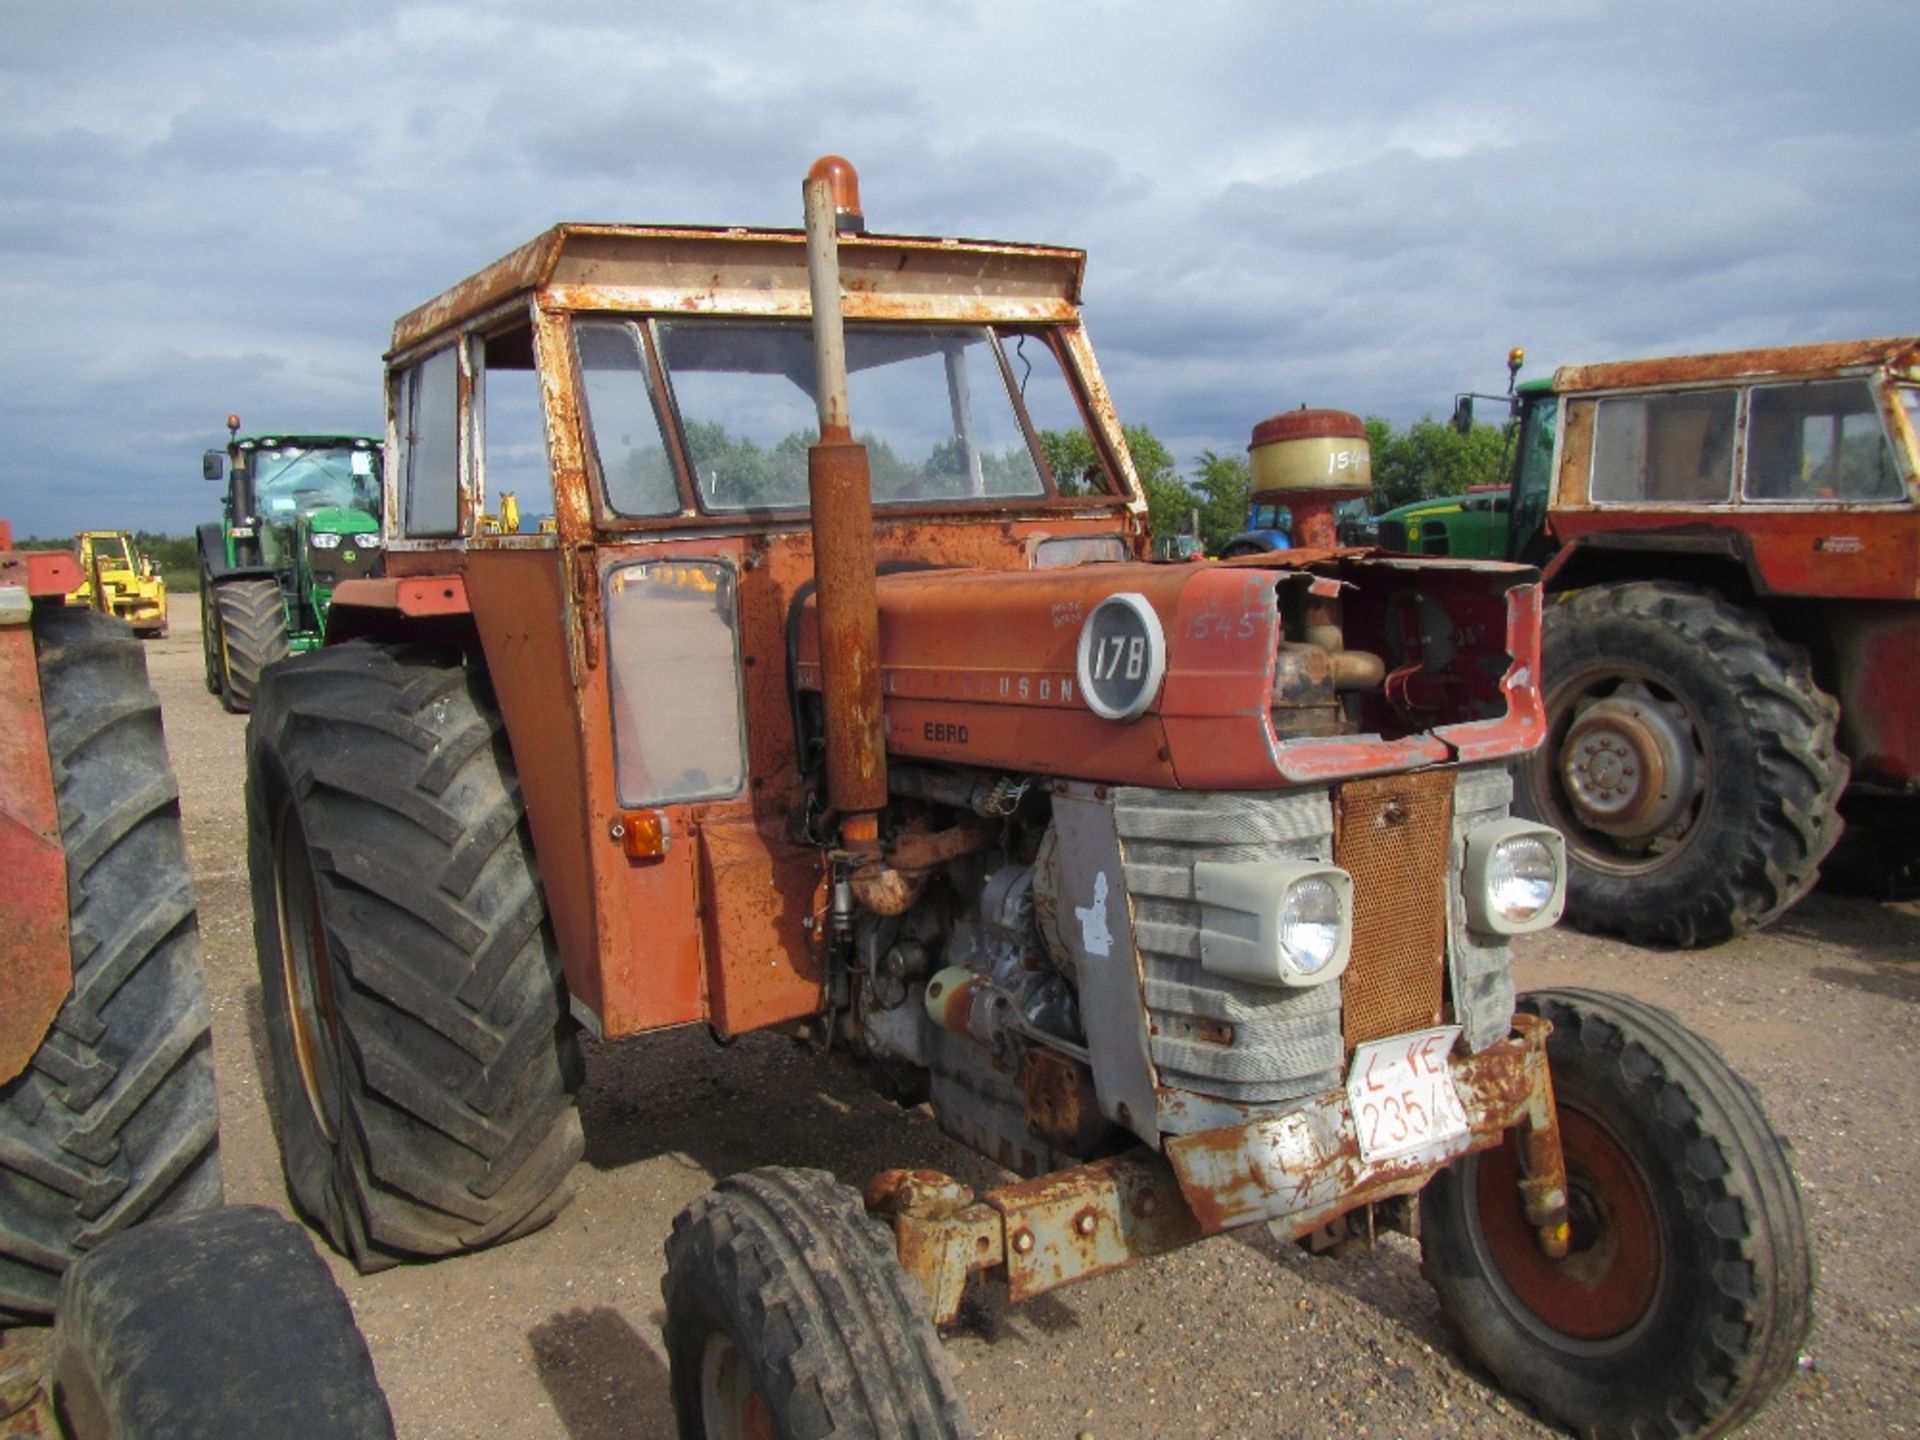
x=1732, y=547
x=1183, y=892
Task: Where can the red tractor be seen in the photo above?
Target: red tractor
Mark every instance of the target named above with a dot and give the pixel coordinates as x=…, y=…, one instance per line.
x=1731, y=551
x=1184, y=892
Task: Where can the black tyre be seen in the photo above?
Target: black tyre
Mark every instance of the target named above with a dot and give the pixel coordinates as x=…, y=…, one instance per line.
x=788, y=1314
x=1685, y=1298
x=423, y=1063
x=115, y=1120
x=222, y=1323
x=252, y=629
x=1689, y=761
x=210, y=633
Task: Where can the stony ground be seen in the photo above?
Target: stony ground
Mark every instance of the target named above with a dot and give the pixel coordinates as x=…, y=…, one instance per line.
x=558, y=1337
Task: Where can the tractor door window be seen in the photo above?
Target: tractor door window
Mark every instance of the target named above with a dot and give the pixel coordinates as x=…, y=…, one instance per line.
x=1533, y=476
x=516, y=483
x=674, y=658
x=1819, y=442
x=1664, y=449
x=429, y=416
x=623, y=422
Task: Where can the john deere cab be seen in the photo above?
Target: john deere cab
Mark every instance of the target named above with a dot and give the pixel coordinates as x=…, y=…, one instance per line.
x=301, y=514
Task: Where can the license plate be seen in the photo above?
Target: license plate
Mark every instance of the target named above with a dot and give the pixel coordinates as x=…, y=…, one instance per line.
x=1402, y=1094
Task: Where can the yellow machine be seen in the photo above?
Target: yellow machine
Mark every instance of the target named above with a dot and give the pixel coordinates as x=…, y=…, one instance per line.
x=116, y=579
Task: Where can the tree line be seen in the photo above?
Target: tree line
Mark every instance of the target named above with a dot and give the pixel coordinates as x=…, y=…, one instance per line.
x=1425, y=459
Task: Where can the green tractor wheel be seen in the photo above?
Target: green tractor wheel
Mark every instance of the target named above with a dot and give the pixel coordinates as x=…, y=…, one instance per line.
x=250, y=623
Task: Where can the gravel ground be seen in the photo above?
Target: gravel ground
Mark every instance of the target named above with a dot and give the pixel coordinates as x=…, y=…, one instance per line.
x=559, y=1335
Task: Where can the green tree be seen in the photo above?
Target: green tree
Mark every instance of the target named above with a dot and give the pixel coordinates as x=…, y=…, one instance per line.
x=1223, y=483
x=1076, y=468
x=1430, y=458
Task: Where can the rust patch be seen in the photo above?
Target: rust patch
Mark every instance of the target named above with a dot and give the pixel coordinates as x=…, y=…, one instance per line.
x=1062, y=1107
x=1798, y=360
x=1089, y=1220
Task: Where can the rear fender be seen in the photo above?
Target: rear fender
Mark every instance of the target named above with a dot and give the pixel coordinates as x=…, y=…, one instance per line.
x=35, y=969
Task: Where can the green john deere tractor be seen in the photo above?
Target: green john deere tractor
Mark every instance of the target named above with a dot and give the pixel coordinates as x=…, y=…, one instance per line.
x=301, y=514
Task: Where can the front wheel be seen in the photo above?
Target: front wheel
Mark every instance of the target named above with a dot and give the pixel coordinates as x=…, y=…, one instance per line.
x=788, y=1315
x=252, y=629
x=1685, y=1297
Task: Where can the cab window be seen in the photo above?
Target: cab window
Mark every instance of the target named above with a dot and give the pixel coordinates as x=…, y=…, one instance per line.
x=1818, y=442
x=1673, y=448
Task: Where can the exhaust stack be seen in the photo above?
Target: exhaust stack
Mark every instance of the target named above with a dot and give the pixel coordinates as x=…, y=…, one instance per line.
x=843, y=556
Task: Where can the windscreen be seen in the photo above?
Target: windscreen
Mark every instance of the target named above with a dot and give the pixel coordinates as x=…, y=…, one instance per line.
x=290, y=480
x=940, y=409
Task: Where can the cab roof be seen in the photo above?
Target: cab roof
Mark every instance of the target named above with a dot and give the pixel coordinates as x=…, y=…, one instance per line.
x=311, y=442
x=1780, y=361
x=747, y=272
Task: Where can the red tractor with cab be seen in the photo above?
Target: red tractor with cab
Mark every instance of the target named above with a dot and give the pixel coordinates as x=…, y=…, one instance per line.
x=1183, y=892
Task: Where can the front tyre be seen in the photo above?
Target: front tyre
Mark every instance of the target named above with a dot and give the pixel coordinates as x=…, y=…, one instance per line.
x=1685, y=1297
x=788, y=1315
x=423, y=1064
x=252, y=630
x=1690, y=762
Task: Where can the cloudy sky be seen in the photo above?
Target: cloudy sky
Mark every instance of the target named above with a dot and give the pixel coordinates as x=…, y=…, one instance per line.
x=214, y=205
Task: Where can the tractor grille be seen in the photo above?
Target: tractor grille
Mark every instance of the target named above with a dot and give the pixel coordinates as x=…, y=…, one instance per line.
x=1393, y=535
x=1392, y=835
x=1403, y=839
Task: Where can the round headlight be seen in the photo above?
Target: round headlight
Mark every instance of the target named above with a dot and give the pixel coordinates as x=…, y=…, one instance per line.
x=1123, y=657
x=325, y=540
x=1310, y=924
x=1521, y=877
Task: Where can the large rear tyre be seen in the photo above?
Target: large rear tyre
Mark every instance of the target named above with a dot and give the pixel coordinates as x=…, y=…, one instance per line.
x=222, y=1323
x=1685, y=1298
x=115, y=1120
x=788, y=1315
x=423, y=1063
x=252, y=630
x=1689, y=761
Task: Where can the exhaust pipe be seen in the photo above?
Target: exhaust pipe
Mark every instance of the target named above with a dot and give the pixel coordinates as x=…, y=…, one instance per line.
x=841, y=495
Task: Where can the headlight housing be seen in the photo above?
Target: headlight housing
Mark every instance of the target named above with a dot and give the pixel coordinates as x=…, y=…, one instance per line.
x=368, y=541
x=325, y=540
x=1516, y=877
x=1274, y=922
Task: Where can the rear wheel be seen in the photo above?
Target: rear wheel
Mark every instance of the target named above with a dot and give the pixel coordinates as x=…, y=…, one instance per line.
x=788, y=1316
x=115, y=1120
x=252, y=632
x=222, y=1323
x=423, y=1063
x=1685, y=1297
x=1690, y=762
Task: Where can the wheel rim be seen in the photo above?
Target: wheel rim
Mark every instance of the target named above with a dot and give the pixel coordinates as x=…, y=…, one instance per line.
x=1625, y=773
x=1604, y=1292
x=308, y=979
x=731, y=1408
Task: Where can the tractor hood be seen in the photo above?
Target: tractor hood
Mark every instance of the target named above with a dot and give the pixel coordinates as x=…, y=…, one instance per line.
x=1301, y=667
x=338, y=521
